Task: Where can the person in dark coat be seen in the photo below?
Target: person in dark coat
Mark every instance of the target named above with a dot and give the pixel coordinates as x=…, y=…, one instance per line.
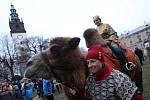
x=139, y=53
x=40, y=88
x=17, y=93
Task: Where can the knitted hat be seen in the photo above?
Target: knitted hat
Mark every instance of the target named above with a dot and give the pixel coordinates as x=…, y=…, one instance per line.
x=92, y=37
x=95, y=52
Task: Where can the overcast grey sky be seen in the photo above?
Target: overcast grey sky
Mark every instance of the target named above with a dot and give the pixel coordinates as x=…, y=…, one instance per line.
x=52, y=18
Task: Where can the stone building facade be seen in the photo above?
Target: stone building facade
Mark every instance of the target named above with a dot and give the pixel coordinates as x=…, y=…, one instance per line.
x=137, y=37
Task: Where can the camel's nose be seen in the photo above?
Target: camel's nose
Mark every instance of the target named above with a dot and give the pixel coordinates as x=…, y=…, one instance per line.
x=29, y=63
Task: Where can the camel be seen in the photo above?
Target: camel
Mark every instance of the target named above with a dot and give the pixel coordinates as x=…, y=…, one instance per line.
x=63, y=61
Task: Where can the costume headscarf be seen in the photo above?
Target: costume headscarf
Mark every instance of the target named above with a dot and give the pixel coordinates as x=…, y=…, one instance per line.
x=95, y=52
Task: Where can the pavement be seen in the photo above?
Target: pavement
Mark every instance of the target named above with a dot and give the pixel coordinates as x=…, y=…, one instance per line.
x=37, y=98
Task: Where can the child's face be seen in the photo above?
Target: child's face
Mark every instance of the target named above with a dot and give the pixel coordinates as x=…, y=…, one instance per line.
x=94, y=66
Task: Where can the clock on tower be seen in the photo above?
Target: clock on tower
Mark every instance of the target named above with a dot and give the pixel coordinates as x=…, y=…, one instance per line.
x=19, y=37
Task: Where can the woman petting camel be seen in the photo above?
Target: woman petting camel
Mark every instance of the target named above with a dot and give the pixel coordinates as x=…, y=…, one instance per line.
x=106, y=83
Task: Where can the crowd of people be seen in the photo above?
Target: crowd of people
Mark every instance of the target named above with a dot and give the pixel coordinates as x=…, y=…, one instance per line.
x=18, y=90
x=26, y=89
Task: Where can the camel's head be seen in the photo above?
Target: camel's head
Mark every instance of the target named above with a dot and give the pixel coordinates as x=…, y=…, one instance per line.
x=36, y=68
x=61, y=58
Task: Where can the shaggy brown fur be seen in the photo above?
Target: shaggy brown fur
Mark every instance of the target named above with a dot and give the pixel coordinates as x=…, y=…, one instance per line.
x=64, y=61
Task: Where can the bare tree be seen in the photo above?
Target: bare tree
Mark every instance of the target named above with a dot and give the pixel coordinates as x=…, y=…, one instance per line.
x=7, y=55
x=37, y=44
x=4, y=72
x=15, y=62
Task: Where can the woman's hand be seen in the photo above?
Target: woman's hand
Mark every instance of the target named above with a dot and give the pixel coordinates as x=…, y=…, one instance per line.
x=72, y=91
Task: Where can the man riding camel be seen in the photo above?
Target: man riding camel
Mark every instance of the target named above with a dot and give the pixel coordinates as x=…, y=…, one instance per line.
x=110, y=35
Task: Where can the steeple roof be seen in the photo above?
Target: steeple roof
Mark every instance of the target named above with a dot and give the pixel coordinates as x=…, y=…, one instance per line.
x=16, y=25
x=14, y=16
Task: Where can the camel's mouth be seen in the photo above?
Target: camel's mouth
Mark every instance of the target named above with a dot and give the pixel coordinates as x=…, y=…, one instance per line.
x=32, y=72
x=37, y=73
x=29, y=74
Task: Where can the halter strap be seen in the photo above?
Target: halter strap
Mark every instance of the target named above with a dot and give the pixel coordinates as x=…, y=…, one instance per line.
x=45, y=59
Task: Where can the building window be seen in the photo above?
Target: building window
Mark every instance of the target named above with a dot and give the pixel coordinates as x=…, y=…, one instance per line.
x=139, y=38
x=130, y=41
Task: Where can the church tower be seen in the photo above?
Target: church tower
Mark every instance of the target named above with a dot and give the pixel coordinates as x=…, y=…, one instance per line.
x=19, y=37
x=17, y=30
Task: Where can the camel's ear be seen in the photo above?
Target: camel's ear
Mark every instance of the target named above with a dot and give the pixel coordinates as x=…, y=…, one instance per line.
x=74, y=42
x=56, y=51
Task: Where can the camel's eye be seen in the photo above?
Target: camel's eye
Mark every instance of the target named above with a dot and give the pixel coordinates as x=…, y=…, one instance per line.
x=29, y=63
x=56, y=51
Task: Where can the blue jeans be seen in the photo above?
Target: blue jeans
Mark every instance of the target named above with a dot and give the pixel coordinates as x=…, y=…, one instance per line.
x=120, y=53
